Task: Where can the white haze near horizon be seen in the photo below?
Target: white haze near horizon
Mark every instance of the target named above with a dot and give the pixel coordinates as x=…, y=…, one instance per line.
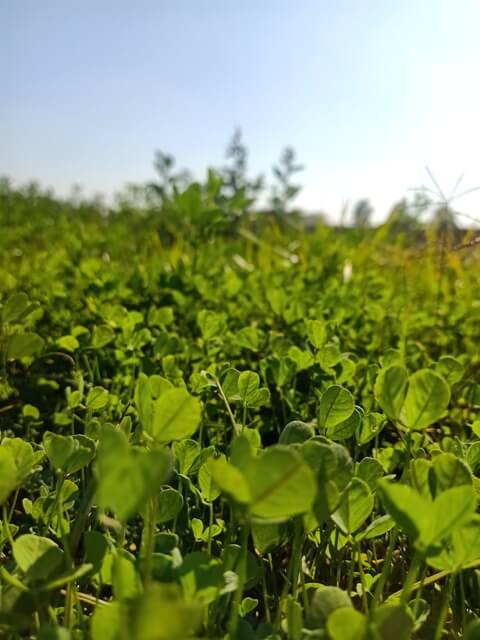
x=368, y=93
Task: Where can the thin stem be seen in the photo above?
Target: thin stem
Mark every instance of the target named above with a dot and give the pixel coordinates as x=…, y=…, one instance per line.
x=210, y=525
x=266, y=606
x=241, y=572
x=119, y=548
x=410, y=579
x=244, y=416
x=71, y=588
x=291, y=579
x=149, y=528
x=13, y=505
x=377, y=596
x=350, y=573
x=296, y=555
x=442, y=616
x=6, y=521
x=436, y=577
x=236, y=430
x=362, y=577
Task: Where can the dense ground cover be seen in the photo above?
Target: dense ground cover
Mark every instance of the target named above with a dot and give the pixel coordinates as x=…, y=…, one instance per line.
x=220, y=425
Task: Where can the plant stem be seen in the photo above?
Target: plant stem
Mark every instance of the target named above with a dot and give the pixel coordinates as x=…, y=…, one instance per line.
x=241, y=572
x=296, y=555
x=150, y=524
x=210, y=525
x=362, y=577
x=71, y=588
x=265, y=596
x=6, y=524
x=13, y=505
x=442, y=616
x=377, y=596
x=411, y=577
x=236, y=430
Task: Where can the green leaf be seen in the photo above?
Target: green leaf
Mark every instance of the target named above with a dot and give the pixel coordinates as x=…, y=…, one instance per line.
x=472, y=456
x=249, y=390
x=294, y=618
x=31, y=412
x=369, y=428
x=425, y=521
x=475, y=427
x=296, y=431
x=316, y=332
x=144, y=402
x=325, y=601
x=450, y=369
x=407, y=507
x=266, y=536
x=390, y=389
x=329, y=356
x=370, y=470
x=125, y=577
x=170, y=503
x=248, y=385
x=230, y=384
x=427, y=399
x=303, y=359
x=420, y=476
x=247, y=605
x=108, y=622
x=472, y=631
x=58, y=449
x=96, y=547
x=176, y=415
x=356, y=504
x=68, y=343
x=35, y=554
x=336, y=405
x=21, y=345
x=376, y=528
x=8, y=474
x=97, y=398
x=206, y=483
x=451, y=509
x=276, y=485
x=186, y=453
x=449, y=471
x=230, y=480
x=346, y=623
x=345, y=429
x=126, y=478
x=15, y=306
x=22, y=454
x=197, y=528
x=393, y=621
x=281, y=484
x=162, y=614
x=248, y=338
x=102, y=335
x=211, y=324
x=50, y=632
x=68, y=453
x=464, y=548
x=159, y=385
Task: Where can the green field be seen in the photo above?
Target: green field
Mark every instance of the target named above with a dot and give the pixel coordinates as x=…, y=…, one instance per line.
x=220, y=424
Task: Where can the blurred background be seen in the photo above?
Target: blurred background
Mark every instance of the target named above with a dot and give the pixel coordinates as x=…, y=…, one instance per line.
x=364, y=94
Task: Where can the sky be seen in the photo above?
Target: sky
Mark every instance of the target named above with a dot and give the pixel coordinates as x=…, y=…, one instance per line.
x=367, y=92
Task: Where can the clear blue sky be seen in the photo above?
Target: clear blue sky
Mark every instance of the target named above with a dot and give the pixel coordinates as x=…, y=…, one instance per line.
x=368, y=92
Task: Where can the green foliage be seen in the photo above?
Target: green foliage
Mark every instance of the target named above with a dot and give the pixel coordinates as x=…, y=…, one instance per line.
x=417, y=401
x=209, y=430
